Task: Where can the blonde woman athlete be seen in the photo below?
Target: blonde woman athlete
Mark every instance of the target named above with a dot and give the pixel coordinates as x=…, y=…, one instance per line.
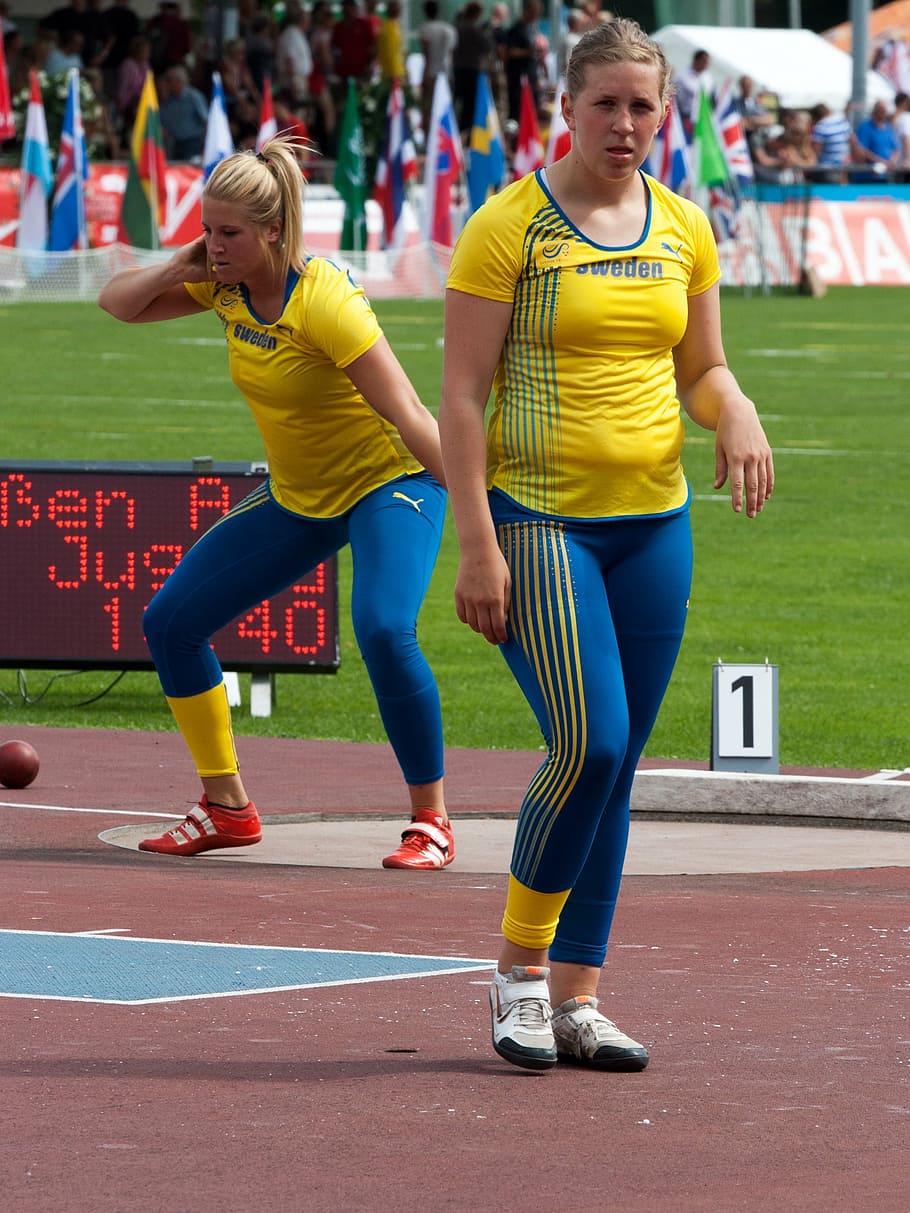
x=587, y=296
x=353, y=459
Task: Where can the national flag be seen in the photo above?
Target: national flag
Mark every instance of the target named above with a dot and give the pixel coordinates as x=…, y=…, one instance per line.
x=68, y=228
x=268, y=126
x=708, y=160
x=559, y=139
x=732, y=133
x=444, y=166
x=486, y=151
x=670, y=159
x=396, y=168
x=892, y=61
x=36, y=179
x=528, y=146
x=7, y=120
x=350, y=175
x=142, y=212
x=219, y=142
x=723, y=202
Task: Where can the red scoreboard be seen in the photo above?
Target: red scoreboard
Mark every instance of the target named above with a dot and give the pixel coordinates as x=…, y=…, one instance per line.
x=84, y=546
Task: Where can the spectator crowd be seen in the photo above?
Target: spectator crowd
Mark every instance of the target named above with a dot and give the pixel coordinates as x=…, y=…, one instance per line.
x=310, y=52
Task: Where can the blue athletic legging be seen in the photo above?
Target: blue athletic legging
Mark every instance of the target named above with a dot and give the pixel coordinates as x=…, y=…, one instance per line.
x=259, y=549
x=596, y=620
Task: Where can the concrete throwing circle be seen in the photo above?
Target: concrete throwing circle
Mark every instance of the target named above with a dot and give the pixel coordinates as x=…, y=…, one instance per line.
x=483, y=845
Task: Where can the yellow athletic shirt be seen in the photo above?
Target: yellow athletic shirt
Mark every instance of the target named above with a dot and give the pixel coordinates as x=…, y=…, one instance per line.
x=326, y=447
x=586, y=420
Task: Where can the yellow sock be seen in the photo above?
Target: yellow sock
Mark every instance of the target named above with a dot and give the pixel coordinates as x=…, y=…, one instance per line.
x=531, y=918
x=205, y=722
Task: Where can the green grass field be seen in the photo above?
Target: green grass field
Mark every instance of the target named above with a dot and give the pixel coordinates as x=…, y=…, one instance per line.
x=817, y=584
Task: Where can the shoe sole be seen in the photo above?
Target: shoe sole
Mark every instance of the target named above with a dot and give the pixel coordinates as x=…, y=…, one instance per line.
x=391, y=862
x=523, y=1058
x=618, y=1065
x=189, y=851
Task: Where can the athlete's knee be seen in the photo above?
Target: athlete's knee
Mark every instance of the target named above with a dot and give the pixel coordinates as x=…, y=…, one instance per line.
x=384, y=640
x=165, y=631
x=600, y=752
x=155, y=622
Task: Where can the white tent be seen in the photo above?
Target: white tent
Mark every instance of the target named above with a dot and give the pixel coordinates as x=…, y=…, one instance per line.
x=801, y=68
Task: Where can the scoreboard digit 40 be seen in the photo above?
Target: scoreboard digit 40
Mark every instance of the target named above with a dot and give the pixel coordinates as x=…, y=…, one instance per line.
x=84, y=547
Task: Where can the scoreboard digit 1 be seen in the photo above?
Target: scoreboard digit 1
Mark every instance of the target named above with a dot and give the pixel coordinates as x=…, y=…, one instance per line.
x=84, y=546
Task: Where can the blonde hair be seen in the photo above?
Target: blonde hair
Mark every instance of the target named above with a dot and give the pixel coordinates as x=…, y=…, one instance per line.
x=267, y=186
x=618, y=41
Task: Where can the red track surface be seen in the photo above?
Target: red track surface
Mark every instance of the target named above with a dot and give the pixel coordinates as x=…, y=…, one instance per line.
x=775, y=1008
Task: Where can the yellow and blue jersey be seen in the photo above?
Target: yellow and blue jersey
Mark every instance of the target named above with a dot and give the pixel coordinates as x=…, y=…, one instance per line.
x=586, y=420
x=326, y=447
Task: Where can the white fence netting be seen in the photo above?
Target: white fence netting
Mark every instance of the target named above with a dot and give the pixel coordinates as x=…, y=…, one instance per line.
x=415, y=272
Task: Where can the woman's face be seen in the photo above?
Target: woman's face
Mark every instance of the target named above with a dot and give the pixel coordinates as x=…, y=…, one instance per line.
x=235, y=246
x=615, y=117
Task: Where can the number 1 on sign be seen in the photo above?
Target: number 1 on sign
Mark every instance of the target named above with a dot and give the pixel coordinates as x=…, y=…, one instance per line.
x=745, y=708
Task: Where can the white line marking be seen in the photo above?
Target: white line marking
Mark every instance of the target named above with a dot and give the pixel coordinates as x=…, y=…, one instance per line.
x=60, y=808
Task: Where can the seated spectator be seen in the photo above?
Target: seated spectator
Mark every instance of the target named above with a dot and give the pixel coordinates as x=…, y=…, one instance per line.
x=754, y=114
x=184, y=115
x=876, y=144
x=795, y=148
x=833, y=138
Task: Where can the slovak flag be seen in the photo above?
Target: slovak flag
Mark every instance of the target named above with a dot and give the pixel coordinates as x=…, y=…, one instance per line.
x=559, y=140
x=732, y=134
x=396, y=168
x=670, y=160
x=37, y=178
x=68, y=229
x=444, y=167
x=7, y=120
x=268, y=126
x=219, y=142
x=528, y=147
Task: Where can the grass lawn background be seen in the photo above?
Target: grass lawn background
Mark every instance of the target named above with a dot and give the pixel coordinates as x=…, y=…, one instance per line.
x=818, y=584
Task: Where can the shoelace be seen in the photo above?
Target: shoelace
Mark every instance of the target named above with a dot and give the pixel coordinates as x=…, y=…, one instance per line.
x=419, y=842
x=532, y=1012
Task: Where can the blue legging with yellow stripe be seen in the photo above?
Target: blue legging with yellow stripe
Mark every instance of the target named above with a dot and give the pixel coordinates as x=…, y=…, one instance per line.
x=259, y=549
x=596, y=619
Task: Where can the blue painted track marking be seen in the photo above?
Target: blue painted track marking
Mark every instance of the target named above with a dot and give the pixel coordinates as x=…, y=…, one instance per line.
x=114, y=969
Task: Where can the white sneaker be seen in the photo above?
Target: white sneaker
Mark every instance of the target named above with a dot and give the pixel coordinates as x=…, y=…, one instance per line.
x=520, y=1006
x=587, y=1038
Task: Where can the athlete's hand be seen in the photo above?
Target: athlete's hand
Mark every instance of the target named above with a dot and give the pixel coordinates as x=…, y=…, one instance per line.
x=742, y=454
x=482, y=591
x=191, y=262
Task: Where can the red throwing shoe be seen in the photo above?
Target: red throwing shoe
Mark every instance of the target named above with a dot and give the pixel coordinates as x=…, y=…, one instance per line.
x=427, y=844
x=207, y=828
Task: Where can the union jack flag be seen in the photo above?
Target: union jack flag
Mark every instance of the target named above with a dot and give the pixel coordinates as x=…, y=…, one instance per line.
x=396, y=168
x=732, y=134
x=724, y=211
x=68, y=227
x=892, y=60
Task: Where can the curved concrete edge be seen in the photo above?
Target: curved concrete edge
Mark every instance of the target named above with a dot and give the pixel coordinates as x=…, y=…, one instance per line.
x=483, y=845
x=732, y=794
